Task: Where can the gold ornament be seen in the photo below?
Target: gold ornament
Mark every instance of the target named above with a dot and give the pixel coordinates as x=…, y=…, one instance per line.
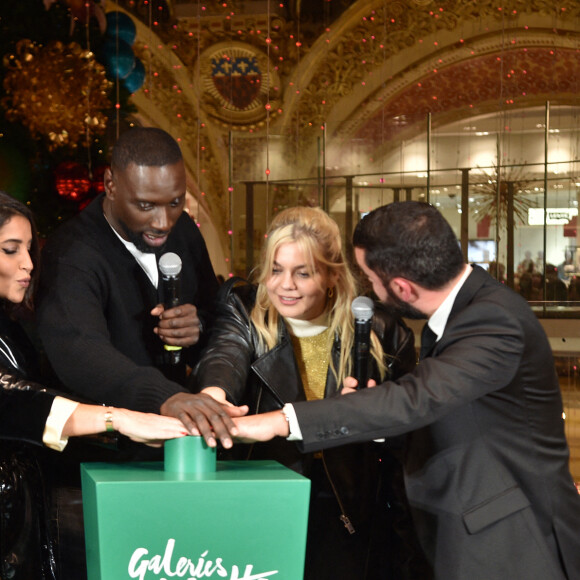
x=56, y=91
x=487, y=196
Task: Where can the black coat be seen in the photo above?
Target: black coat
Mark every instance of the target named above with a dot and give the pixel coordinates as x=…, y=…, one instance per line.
x=265, y=380
x=26, y=545
x=24, y=406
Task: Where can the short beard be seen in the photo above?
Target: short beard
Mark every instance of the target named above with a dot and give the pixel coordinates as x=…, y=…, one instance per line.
x=396, y=306
x=137, y=240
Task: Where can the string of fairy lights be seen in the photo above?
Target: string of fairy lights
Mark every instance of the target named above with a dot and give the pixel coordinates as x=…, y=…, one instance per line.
x=285, y=55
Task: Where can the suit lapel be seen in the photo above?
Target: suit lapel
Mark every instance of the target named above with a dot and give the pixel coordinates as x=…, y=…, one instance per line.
x=478, y=278
x=470, y=288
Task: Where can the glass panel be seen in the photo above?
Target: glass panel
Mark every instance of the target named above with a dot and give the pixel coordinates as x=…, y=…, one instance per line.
x=496, y=209
x=455, y=167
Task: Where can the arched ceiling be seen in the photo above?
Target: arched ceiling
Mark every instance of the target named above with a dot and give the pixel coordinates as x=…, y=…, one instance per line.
x=371, y=73
x=469, y=88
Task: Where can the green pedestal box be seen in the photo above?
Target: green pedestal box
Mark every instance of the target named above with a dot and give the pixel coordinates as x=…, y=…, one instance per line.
x=190, y=518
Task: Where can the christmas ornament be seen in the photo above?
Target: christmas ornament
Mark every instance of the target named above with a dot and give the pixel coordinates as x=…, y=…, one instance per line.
x=72, y=180
x=57, y=92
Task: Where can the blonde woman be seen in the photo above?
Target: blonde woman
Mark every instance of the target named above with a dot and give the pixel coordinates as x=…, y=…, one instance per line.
x=289, y=338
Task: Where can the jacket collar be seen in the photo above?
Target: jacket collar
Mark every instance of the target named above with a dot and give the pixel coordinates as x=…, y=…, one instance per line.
x=471, y=286
x=278, y=369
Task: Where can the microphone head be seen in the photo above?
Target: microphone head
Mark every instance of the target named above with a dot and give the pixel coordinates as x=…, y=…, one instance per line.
x=170, y=264
x=362, y=308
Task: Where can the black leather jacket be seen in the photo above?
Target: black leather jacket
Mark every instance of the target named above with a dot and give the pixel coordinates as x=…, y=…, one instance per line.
x=266, y=380
x=26, y=545
x=24, y=404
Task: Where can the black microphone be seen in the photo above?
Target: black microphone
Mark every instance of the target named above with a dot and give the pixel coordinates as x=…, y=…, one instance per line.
x=170, y=293
x=362, y=309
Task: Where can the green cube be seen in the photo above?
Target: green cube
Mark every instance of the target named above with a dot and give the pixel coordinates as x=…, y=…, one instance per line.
x=246, y=520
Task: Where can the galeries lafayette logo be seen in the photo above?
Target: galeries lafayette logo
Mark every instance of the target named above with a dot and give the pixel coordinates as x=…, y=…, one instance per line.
x=168, y=566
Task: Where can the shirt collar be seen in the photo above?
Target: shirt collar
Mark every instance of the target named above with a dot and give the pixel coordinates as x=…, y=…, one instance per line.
x=438, y=319
x=147, y=260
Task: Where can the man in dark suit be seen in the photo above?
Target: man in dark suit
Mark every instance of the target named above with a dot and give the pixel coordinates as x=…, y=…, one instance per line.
x=486, y=468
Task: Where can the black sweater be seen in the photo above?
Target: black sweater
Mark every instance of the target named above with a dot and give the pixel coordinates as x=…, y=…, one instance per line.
x=93, y=310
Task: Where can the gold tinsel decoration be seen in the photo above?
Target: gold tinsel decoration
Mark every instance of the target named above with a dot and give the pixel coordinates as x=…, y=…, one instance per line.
x=58, y=92
x=487, y=198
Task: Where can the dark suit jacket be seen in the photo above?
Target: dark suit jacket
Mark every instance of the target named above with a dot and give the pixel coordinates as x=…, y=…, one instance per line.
x=487, y=461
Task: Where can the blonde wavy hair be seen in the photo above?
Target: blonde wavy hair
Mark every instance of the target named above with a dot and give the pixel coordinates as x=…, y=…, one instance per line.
x=318, y=236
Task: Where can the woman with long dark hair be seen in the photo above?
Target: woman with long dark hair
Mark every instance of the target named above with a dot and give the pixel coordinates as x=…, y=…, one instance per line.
x=31, y=416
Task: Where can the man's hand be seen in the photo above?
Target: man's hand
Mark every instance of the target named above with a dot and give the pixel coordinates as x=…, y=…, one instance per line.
x=350, y=383
x=261, y=427
x=177, y=326
x=203, y=415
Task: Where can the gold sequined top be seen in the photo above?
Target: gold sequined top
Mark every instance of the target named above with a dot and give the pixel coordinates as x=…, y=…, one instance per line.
x=313, y=357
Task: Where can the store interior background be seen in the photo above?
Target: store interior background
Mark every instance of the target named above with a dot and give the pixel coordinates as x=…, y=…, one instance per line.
x=473, y=106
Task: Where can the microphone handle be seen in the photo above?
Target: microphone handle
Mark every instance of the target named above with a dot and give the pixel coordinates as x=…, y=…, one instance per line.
x=171, y=291
x=362, y=334
x=171, y=288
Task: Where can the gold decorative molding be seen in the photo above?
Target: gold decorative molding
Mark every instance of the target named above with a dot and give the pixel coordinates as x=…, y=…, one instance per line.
x=489, y=44
x=377, y=47
x=330, y=89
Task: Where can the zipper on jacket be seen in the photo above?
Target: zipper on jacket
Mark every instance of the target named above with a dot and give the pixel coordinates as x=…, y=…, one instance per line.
x=251, y=446
x=343, y=517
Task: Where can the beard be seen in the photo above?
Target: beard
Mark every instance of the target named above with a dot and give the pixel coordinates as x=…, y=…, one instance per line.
x=136, y=238
x=396, y=306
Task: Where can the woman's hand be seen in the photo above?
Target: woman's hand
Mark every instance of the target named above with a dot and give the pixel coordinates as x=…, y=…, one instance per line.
x=147, y=428
x=218, y=394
